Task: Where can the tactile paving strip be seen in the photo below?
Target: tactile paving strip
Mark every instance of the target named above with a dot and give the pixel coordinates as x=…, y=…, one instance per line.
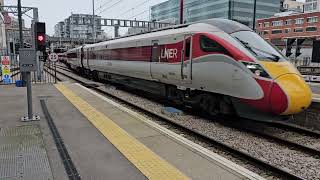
x=22, y=154
x=149, y=163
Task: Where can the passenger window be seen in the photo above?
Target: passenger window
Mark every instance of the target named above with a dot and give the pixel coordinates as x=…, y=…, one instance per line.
x=209, y=45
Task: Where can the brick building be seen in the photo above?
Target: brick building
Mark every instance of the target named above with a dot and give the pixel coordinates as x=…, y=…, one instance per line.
x=289, y=29
x=286, y=25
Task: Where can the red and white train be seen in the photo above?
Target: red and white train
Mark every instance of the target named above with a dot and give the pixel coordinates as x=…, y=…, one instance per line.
x=218, y=65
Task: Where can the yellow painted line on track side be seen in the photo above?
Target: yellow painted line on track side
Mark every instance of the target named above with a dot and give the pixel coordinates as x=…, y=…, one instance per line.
x=149, y=163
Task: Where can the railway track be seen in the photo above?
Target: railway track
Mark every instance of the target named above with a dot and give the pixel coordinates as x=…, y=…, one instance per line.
x=243, y=155
x=278, y=134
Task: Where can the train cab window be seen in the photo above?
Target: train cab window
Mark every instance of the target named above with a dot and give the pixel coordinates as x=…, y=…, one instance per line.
x=209, y=45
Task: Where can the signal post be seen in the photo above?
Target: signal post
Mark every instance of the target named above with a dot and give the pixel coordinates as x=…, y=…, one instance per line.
x=29, y=62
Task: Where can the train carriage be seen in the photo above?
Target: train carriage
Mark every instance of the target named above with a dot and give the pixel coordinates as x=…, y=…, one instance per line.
x=218, y=65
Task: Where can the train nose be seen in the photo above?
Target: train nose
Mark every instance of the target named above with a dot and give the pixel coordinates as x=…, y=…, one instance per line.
x=296, y=94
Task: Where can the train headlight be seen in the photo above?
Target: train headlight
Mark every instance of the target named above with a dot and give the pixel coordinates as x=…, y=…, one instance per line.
x=256, y=69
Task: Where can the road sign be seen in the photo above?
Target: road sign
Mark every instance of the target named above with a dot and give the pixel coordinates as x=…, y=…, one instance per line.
x=6, y=71
x=53, y=57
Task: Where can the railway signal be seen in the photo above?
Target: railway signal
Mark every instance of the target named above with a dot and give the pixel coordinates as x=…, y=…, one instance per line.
x=40, y=35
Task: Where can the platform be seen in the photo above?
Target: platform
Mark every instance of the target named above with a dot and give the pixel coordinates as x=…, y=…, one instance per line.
x=108, y=141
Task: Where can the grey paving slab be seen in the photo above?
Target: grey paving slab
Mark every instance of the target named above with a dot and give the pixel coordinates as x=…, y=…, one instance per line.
x=23, y=154
x=13, y=107
x=193, y=165
x=184, y=158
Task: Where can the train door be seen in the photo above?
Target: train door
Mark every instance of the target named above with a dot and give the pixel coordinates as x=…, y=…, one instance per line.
x=155, y=53
x=87, y=58
x=81, y=57
x=186, y=59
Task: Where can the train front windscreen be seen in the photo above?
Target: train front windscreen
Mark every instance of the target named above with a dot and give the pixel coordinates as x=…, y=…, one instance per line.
x=260, y=48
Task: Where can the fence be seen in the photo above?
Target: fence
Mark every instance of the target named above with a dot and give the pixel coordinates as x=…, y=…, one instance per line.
x=46, y=72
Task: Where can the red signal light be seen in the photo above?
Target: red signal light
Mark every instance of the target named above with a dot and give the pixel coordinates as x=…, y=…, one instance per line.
x=40, y=38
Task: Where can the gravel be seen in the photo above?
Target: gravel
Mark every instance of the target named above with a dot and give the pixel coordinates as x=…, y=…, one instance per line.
x=297, y=162
x=299, y=138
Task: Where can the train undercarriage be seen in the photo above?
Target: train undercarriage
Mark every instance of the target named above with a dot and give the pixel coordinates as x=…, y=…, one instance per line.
x=210, y=103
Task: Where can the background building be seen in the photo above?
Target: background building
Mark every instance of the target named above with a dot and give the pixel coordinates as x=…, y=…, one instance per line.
x=312, y=6
x=59, y=29
x=291, y=26
x=78, y=26
x=195, y=10
x=293, y=5
x=279, y=28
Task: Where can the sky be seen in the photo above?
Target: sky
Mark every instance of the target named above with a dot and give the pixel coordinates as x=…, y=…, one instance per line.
x=53, y=11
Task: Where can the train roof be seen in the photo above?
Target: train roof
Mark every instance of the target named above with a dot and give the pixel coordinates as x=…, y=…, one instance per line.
x=226, y=25
x=216, y=24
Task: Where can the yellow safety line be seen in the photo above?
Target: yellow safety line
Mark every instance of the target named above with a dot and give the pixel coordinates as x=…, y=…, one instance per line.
x=149, y=163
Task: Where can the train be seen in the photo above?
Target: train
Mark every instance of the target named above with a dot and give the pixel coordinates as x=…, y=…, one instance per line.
x=218, y=66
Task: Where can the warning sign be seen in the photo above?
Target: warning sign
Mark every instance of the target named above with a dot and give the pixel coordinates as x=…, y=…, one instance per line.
x=6, y=71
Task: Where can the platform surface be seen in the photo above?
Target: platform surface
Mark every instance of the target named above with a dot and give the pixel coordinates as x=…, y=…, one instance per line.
x=22, y=154
x=93, y=156
x=96, y=155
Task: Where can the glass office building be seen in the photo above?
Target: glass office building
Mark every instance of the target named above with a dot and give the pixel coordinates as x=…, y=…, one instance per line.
x=195, y=10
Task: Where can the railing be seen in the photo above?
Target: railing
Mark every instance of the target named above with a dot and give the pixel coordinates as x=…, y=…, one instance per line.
x=45, y=74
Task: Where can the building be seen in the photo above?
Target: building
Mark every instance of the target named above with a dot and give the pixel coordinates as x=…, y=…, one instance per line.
x=195, y=10
x=290, y=26
x=78, y=26
x=59, y=29
x=312, y=6
x=166, y=10
x=293, y=5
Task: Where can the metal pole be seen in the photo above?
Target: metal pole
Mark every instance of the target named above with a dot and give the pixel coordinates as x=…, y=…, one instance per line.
x=254, y=14
x=20, y=23
x=29, y=95
x=55, y=72
x=93, y=23
x=181, y=11
x=23, y=74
